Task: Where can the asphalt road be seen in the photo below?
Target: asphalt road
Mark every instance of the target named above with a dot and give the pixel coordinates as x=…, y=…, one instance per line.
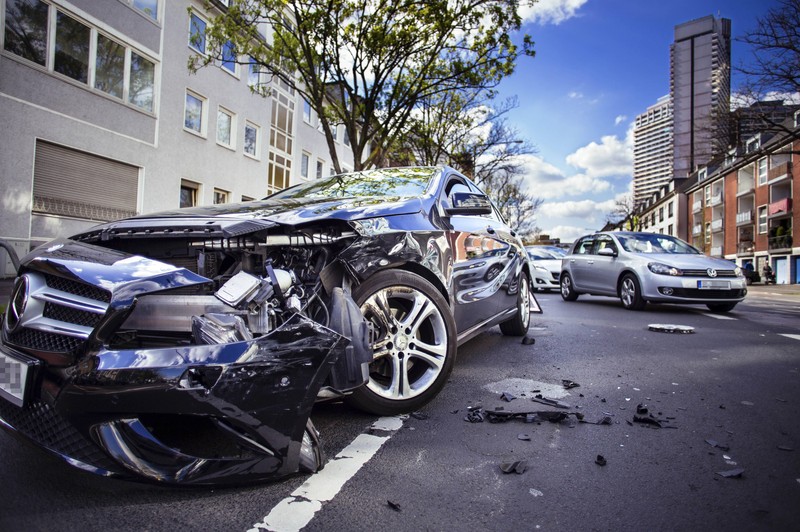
x=734, y=382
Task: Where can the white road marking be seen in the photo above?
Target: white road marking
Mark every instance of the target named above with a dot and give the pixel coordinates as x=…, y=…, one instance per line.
x=718, y=316
x=298, y=509
x=792, y=336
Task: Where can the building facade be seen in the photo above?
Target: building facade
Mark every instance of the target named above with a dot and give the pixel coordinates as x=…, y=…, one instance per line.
x=700, y=61
x=742, y=210
x=103, y=118
x=652, y=149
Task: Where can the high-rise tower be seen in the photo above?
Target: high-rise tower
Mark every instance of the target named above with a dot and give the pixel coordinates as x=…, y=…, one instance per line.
x=652, y=149
x=700, y=87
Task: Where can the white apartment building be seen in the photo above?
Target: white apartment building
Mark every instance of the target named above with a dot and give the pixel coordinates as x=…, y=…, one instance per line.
x=652, y=149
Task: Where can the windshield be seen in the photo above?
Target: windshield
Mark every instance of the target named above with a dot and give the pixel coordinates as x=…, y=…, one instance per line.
x=389, y=182
x=652, y=243
x=541, y=254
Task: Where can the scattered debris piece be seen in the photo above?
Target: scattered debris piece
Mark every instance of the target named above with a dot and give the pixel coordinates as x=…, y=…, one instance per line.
x=747, y=403
x=641, y=409
x=781, y=400
x=524, y=437
x=600, y=460
x=650, y=419
x=394, y=506
x=419, y=415
x=474, y=414
x=517, y=467
x=731, y=473
x=527, y=340
x=535, y=493
x=785, y=448
x=507, y=397
x=721, y=447
x=549, y=402
x=568, y=384
x=669, y=328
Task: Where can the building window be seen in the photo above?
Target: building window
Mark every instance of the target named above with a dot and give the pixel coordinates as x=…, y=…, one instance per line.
x=661, y=214
x=109, y=74
x=707, y=191
x=320, y=164
x=188, y=193
x=194, y=113
x=255, y=76
x=306, y=112
x=761, y=171
x=73, y=40
x=80, y=52
x=670, y=230
x=225, y=128
x=229, y=57
x=220, y=196
x=762, y=220
x=346, y=139
x=670, y=210
x=142, y=82
x=304, y=165
x=26, y=29
x=251, y=140
x=149, y=7
x=197, y=33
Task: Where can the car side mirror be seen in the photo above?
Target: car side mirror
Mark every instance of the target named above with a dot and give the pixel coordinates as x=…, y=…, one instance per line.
x=469, y=203
x=607, y=252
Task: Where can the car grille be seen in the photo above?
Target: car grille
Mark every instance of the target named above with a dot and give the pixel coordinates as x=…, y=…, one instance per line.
x=694, y=293
x=41, y=423
x=60, y=314
x=704, y=273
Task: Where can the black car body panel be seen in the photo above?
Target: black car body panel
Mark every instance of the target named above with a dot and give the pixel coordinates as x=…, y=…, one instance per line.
x=188, y=347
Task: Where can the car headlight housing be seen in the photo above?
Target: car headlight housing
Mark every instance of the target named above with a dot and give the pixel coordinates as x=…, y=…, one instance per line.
x=541, y=268
x=664, y=269
x=738, y=271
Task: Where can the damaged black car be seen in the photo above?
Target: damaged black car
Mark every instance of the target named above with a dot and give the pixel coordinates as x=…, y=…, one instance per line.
x=189, y=347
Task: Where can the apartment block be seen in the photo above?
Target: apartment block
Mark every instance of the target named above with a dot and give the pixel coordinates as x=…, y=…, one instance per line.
x=652, y=149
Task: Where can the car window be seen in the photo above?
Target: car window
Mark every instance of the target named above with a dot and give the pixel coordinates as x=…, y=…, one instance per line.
x=584, y=247
x=604, y=242
x=653, y=243
x=388, y=182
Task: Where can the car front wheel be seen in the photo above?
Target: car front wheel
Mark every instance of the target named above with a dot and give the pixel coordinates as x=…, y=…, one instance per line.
x=568, y=292
x=413, y=338
x=518, y=325
x=630, y=293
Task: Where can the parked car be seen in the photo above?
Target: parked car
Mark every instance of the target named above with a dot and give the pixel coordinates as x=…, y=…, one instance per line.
x=189, y=346
x=546, y=268
x=647, y=267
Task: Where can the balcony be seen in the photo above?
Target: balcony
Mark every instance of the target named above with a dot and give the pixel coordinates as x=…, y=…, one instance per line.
x=781, y=171
x=716, y=251
x=717, y=226
x=783, y=206
x=716, y=199
x=743, y=218
x=745, y=186
x=745, y=247
x=697, y=206
x=780, y=243
x=697, y=230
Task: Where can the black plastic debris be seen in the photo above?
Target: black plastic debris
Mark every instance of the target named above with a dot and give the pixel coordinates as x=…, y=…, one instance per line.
x=549, y=402
x=517, y=467
x=474, y=414
x=732, y=473
x=394, y=506
x=648, y=420
x=527, y=340
x=507, y=397
x=419, y=415
x=568, y=384
x=641, y=409
x=785, y=448
x=600, y=460
x=605, y=420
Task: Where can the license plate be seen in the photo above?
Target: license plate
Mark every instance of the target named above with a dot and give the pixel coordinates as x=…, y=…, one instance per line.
x=714, y=285
x=14, y=377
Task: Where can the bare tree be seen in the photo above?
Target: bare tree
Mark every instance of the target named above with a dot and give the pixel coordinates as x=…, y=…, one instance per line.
x=625, y=213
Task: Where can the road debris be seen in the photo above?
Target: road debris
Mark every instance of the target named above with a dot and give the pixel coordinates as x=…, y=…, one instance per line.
x=507, y=396
x=669, y=328
x=394, y=506
x=732, y=473
x=716, y=444
x=600, y=460
x=568, y=384
x=517, y=467
x=527, y=340
x=539, y=398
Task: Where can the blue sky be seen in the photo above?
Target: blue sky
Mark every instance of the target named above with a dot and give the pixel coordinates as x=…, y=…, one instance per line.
x=598, y=64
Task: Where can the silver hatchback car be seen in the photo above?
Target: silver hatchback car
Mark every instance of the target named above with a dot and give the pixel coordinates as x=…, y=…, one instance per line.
x=648, y=267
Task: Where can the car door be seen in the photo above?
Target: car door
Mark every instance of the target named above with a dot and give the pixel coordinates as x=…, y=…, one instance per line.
x=485, y=257
x=603, y=267
x=579, y=262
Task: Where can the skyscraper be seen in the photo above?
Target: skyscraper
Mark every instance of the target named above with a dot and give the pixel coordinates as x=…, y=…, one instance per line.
x=700, y=87
x=652, y=149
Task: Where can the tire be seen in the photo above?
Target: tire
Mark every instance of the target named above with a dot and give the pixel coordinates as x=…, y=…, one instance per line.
x=720, y=307
x=568, y=292
x=630, y=293
x=518, y=325
x=413, y=339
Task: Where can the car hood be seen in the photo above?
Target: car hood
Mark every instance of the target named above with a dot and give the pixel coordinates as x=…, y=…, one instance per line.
x=551, y=265
x=687, y=261
x=297, y=210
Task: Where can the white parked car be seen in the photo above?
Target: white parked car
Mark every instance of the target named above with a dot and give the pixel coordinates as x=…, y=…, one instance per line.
x=545, y=268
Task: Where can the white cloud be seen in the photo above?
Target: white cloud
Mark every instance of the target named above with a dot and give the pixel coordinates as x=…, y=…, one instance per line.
x=548, y=182
x=575, y=95
x=550, y=11
x=620, y=119
x=611, y=158
x=589, y=210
